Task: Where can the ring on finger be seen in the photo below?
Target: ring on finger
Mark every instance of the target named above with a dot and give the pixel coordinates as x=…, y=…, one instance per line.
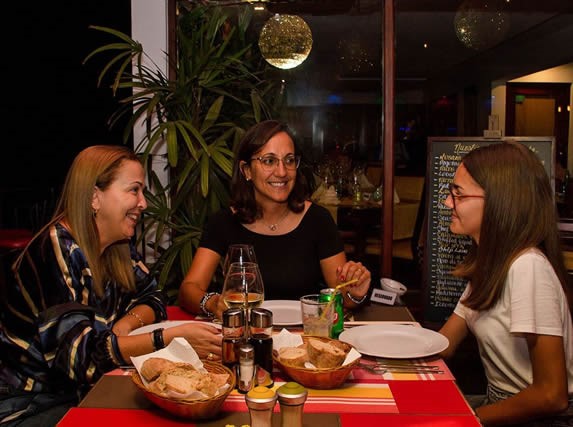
x=210, y=356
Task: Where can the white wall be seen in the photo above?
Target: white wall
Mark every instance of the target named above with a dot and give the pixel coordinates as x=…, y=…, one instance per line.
x=560, y=74
x=149, y=27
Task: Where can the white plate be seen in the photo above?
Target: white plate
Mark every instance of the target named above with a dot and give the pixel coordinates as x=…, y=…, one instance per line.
x=395, y=341
x=285, y=312
x=166, y=324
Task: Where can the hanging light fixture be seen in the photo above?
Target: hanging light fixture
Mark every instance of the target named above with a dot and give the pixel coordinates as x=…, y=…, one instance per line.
x=481, y=24
x=285, y=41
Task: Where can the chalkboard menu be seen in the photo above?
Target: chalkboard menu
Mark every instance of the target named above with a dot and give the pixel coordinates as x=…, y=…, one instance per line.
x=444, y=250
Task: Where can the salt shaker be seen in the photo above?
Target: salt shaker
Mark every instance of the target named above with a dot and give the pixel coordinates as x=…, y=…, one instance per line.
x=291, y=397
x=233, y=331
x=246, y=368
x=261, y=402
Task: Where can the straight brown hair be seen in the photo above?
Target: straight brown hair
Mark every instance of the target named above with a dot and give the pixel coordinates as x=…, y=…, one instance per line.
x=519, y=213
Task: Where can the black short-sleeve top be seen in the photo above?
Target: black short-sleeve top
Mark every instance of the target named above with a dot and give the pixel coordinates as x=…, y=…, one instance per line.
x=289, y=263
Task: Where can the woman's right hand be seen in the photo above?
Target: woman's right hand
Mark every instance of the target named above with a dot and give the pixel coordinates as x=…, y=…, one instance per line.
x=204, y=338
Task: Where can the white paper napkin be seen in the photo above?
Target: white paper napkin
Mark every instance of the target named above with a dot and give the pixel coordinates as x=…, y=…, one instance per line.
x=178, y=350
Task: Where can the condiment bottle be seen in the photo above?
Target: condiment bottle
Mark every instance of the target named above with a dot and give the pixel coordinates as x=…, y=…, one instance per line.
x=261, y=402
x=246, y=368
x=356, y=191
x=291, y=397
x=260, y=337
x=233, y=331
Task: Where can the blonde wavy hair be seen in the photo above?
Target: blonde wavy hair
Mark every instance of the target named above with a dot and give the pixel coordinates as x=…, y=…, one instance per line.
x=95, y=166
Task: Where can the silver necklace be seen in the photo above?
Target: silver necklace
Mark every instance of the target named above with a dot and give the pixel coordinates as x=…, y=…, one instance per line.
x=275, y=226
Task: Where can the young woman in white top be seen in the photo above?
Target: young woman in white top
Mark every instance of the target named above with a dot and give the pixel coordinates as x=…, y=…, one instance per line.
x=517, y=302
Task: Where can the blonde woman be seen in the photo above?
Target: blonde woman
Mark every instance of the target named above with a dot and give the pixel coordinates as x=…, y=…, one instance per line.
x=78, y=290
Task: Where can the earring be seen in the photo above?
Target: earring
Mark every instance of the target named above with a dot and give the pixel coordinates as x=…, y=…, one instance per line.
x=94, y=213
x=247, y=178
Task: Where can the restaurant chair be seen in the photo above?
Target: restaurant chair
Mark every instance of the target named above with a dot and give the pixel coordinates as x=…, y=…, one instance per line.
x=12, y=241
x=407, y=214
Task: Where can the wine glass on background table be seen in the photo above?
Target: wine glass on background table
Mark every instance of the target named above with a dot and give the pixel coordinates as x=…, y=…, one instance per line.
x=243, y=287
x=238, y=253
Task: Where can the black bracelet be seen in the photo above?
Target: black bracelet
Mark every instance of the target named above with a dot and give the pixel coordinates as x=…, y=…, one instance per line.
x=158, y=342
x=356, y=300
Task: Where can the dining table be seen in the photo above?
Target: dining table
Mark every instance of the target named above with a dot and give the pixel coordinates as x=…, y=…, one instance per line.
x=369, y=397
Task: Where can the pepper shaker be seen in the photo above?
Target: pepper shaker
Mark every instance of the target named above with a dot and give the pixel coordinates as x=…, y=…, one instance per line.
x=291, y=398
x=261, y=402
x=261, y=329
x=233, y=331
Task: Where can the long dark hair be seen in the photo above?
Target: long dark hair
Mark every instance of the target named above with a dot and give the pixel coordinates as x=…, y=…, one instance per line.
x=519, y=213
x=242, y=191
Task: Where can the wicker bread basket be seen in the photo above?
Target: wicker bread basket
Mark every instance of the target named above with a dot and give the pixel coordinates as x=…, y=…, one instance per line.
x=199, y=409
x=323, y=379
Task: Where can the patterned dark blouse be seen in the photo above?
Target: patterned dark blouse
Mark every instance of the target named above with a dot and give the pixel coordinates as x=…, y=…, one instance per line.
x=55, y=333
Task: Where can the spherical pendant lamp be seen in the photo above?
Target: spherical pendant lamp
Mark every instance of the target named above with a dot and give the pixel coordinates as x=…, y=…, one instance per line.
x=285, y=41
x=481, y=24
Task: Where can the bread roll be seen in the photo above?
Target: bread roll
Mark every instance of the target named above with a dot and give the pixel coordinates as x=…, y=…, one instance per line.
x=177, y=379
x=324, y=355
x=293, y=356
x=154, y=366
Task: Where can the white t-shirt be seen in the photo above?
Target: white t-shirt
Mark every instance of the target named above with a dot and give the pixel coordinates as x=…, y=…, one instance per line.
x=532, y=302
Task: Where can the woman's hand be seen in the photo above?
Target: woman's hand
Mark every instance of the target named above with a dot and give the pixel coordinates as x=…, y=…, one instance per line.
x=204, y=338
x=216, y=306
x=354, y=270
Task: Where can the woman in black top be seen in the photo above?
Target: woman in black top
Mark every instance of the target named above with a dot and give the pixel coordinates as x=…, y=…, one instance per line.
x=297, y=243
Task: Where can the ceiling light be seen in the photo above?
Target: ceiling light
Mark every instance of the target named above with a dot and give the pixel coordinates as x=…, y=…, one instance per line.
x=285, y=41
x=481, y=24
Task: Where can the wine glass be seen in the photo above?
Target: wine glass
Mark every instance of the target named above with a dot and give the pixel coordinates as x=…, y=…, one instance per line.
x=243, y=287
x=239, y=253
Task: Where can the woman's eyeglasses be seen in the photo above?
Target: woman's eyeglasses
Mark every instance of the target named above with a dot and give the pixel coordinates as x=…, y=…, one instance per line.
x=269, y=163
x=452, y=188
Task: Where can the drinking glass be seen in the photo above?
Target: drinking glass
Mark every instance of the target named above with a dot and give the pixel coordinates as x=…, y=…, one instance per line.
x=243, y=287
x=239, y=253
x=317, y=315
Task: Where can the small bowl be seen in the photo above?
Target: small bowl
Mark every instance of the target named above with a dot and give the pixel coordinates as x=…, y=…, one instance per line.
x=393, y=286
x=200, y=409
x=322, y=379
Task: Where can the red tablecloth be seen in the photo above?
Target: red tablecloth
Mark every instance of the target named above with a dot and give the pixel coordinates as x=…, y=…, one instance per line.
x=94, y=417
x=175, y=312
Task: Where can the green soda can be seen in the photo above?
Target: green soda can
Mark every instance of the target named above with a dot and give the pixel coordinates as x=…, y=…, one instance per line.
x=338, y=321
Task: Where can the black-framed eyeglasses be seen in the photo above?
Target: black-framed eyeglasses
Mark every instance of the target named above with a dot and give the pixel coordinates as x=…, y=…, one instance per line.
x=452, y=188
x=269, y=162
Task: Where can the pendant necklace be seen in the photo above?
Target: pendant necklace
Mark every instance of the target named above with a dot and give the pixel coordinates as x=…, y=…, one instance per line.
x=275, y=226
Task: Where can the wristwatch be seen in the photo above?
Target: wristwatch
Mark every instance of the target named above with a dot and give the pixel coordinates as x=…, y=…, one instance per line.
x=203, y=303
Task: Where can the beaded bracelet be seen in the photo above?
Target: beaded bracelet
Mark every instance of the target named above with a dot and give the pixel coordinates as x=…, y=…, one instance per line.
x=158, y=342
x=203, y=303
x=137, y=316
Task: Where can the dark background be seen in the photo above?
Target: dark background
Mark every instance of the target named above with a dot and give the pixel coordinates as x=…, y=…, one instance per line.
x=52, y=105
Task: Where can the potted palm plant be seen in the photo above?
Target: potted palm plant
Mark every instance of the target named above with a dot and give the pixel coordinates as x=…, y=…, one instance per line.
x=219, y=90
